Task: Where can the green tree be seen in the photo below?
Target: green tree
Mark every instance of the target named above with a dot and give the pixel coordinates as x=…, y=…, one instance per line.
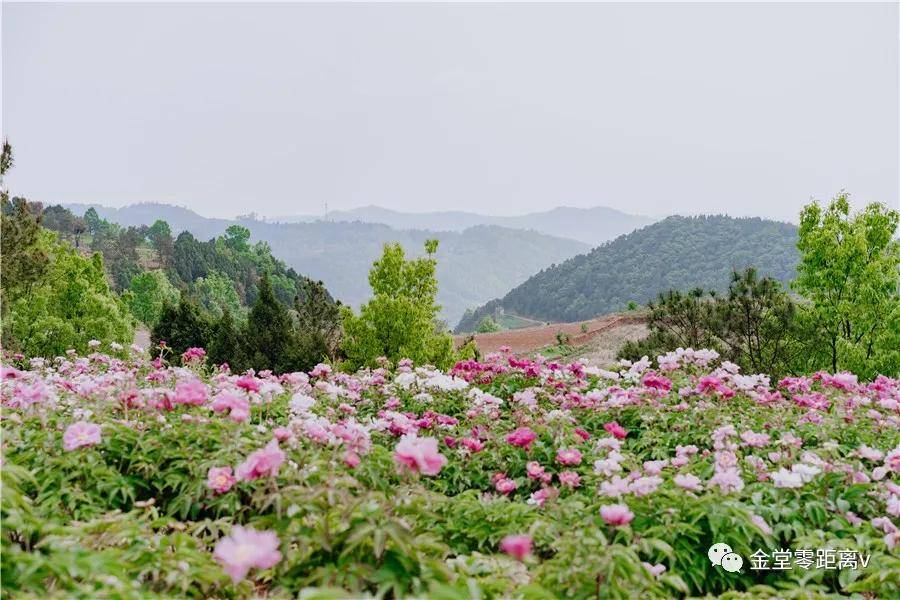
x=237, y=238
x=271, y=343
x=400, y=321
x=318, y=324
x=182, y=326
x=150, y=292
x=849, y=273
x=756, y=324
x=226, y=344
x=216, y=293
x=69, y=306
x=488, y=325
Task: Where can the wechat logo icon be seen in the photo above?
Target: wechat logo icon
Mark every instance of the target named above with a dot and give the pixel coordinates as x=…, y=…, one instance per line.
x=721, y=555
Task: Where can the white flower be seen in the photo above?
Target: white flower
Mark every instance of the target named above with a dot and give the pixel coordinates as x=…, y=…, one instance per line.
x=786, y=479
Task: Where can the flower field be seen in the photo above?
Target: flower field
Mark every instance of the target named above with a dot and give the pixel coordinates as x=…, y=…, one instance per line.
x=129, y=478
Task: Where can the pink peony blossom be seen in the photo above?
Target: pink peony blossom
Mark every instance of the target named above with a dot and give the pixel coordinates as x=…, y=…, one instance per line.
x=505, y=485
x=568, y=457
x=220, y=479
x=419, y=454
x=351, y=459
x=81, y=434
x=688, y=482
x=570, y=479
x=616, y=430
x=522, y=437
x=616, y=514
x=191, y=391
x=261, y=463
x=246, y=548
x=517, y=546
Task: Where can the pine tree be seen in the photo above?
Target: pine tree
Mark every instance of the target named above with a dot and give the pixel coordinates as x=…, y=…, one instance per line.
x=226, y=344
x=270, y=333
x=182, y=326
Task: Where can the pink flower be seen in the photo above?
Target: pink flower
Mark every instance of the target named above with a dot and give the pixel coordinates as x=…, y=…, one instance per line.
x=192, y=391
x=248, y=382
x=534, y=469
x=522, y=437
x=261, y=463
x=613, y=428
x=419, y=454
x=570, y=479
x=569, y=457
x=761, y=524
x=473, y=445
x=246, y=548
x=688, y=482
x=517, y=546
x=655, y=570
x=220, y=479
x=282, y=433
x=616, y=514
x=351, y=459
x=192, y=354
x=505, y=485
x=755, y=440
x=238, y=406
x=81, y=434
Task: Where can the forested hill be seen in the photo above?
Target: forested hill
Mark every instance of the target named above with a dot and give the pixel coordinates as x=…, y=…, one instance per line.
x=675, y=253
x=474, y=265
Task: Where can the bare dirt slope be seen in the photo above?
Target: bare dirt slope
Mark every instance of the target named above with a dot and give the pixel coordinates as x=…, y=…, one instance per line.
x=529, y=339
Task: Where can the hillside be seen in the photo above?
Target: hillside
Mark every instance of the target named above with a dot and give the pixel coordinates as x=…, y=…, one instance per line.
x=589, y=225
x=474, y=265
x=678, y=252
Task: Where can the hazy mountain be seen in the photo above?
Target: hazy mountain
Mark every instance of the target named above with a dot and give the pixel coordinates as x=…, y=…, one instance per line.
x=675, y=253
x=474, y=265
x=589, y=225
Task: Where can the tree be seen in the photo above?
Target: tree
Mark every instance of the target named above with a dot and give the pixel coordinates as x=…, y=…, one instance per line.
x=849, y=273
x=150, y=292
x=237, y=238
x=182, y=326
x=270, y=333
x=69, y=306
x=160, y=235
x=400, y=319
x=318, y=323
x=488, y=325
x=756, y=324
x=216, y=293
x=226, y=344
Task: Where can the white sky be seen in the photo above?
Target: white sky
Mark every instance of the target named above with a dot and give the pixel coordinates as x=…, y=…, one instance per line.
x=501, y=109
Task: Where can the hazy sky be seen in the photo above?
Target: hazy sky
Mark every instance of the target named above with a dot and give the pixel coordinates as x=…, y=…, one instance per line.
x=503, y=109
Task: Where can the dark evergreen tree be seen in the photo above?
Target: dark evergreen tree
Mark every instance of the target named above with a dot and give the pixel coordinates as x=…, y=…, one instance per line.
x=318, y=324
x=182, y=326
x=270, y=333
x=226, y=344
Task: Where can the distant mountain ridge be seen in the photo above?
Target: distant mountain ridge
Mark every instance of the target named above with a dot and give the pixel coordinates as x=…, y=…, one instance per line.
x=589, y=225
x=474, y=265
x=675, y=253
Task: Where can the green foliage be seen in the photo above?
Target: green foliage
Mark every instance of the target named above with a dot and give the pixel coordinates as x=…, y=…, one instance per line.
x=182, y=326
x=400, y=319
x=216, y=293
x=150, y=291
x=679, y=253
x=850, y=273
x=70, y=305
x=754, y=325
x=488, y=325
x=318, y=323
x=270, y=334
